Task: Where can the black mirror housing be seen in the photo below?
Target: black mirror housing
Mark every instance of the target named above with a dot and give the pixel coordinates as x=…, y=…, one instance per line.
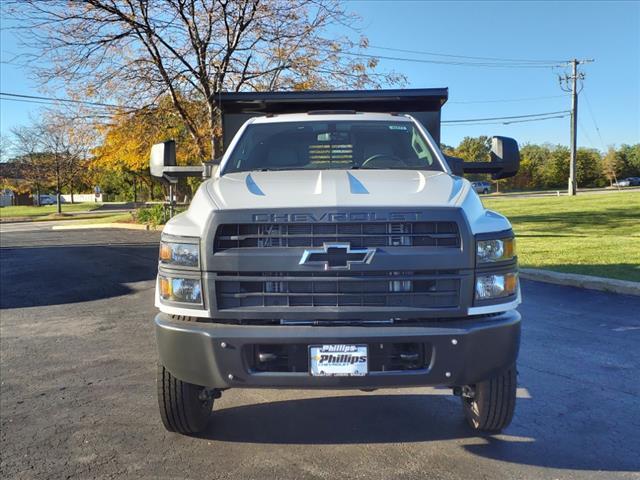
x=162, y=155
x=505, y=159
x=506, y=154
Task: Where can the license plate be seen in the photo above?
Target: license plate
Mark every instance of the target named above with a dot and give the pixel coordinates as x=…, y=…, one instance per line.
x=338, y=360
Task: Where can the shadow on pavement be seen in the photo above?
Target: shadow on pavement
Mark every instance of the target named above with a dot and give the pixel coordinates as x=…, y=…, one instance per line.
x=395, y=419
x=56, y=275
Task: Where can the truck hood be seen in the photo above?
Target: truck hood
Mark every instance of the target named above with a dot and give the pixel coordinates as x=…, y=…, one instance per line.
x=336, y=188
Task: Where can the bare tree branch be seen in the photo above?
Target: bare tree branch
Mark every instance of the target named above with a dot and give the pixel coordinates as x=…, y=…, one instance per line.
x=134, y=52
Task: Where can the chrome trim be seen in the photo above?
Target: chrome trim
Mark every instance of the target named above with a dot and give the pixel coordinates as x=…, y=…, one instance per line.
x=367, y=252
x=499, y=308
x=201, y=312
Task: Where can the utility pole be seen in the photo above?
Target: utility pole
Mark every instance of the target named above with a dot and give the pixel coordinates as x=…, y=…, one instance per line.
x=565, y=81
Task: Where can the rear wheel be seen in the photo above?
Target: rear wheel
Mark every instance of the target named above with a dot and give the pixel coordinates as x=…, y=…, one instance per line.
x=184, y=407
x=489, y=405
x=485, y=191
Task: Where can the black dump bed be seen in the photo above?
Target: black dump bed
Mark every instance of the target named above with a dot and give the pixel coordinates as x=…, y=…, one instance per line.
x=424, y=104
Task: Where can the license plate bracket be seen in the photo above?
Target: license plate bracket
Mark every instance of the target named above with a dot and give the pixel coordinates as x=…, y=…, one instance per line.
x=338, y=360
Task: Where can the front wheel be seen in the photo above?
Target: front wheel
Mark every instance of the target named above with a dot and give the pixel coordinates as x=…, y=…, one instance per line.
x=485, y=191
x=489, y=405
x=184, y=407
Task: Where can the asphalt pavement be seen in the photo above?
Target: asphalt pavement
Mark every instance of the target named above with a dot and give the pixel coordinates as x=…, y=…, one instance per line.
x=77, y=394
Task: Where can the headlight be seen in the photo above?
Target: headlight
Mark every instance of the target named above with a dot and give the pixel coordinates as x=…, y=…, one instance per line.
x=183, y=290
x=179, y=254
x=495, y=250
x=496, y=286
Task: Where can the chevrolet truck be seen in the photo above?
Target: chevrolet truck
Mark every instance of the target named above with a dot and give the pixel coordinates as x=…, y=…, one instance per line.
x=336, y=247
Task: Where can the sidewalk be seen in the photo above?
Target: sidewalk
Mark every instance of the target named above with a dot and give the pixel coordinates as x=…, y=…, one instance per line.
x=589, y=282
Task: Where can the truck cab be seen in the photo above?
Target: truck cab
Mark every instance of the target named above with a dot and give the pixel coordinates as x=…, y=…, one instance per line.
x=338, y=249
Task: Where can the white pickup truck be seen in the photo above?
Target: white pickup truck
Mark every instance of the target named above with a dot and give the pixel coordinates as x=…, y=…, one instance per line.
x=337, y=249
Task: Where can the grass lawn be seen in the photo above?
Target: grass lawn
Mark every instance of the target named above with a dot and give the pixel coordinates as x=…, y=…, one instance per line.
x=115, y=218
x=43, y=211
x=589, y=234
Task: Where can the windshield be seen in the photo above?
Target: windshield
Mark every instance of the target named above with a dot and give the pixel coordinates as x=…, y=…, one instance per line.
x=335, y=145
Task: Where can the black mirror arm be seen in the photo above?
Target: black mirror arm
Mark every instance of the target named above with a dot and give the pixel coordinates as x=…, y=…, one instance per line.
x=481, y=167
x=455, y=165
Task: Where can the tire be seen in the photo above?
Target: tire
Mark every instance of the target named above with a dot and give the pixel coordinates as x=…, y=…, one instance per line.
x=485, y=191
x=182, y=409
x=491, y=408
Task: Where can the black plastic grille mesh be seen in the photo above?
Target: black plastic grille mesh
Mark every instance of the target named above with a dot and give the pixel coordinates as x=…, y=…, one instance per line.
x=378, y=234
x=338, y=289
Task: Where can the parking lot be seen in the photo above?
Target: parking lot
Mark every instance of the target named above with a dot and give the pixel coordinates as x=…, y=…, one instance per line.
x=78, y=398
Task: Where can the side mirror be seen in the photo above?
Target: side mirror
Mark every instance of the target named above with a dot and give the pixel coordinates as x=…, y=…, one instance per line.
x=505, y=159
x=505, y=154
x=162, y=155
x=163, y=164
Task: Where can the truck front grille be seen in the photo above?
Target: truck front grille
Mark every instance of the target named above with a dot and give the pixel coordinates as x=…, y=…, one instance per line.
x=416, y=289
x=374, y=234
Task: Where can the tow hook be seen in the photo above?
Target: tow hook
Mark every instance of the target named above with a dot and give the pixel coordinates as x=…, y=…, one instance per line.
x=466, y=391
x=209, y=394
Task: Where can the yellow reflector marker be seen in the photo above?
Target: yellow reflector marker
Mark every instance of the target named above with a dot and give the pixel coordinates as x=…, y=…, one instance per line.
x=510, y=283
x=165, y=252
x=165, y=287
x=509, y=248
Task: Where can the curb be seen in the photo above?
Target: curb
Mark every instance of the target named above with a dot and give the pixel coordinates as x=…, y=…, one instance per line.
x=611, y=285
x=64, y=218
x=125, y=226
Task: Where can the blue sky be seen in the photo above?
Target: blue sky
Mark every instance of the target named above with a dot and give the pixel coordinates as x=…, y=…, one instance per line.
x=608, y=31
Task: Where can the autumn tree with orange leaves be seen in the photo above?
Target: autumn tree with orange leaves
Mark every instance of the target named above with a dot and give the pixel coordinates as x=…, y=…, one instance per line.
x=140, y=52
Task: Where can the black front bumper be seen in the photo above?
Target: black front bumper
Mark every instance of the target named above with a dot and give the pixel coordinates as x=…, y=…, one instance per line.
x=461, y=352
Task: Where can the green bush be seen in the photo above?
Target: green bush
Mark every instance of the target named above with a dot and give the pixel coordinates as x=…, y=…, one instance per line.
x=154, y=215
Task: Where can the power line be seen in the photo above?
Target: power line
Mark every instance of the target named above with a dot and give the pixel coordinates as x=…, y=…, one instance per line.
x=593, y=118
x=23, y=100
x=584, y=132
x=445, y=62
x=507, y=122
x=506, y=100
x=470, y=121
x=469, y=57
x=512, y=117
x=62, y=100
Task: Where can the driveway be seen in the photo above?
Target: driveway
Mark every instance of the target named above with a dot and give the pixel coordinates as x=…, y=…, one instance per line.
x=77, y=398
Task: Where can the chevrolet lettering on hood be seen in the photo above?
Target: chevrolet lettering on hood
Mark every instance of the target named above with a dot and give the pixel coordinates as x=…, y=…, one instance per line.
x=335, y=217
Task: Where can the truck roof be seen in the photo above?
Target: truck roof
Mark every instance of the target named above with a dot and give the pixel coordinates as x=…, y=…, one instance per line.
x=330, y=117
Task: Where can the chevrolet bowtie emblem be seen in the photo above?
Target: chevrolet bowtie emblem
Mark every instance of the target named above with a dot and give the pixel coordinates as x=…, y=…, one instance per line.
x=337, y=256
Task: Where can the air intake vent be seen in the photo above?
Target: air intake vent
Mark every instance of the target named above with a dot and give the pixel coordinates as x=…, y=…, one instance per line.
x=338, y=289
x=378, y=234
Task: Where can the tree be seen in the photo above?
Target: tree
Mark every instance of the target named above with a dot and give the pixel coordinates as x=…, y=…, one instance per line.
x=555, y=170
x=589, y=168
x=50, y=153
x=66, y=155
x=4, y=148
x=532, y=161
x=474, y=149
x=630, y=157
x=128, y=140
x=612, y=164
x=31, y=162
x=136, y=51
